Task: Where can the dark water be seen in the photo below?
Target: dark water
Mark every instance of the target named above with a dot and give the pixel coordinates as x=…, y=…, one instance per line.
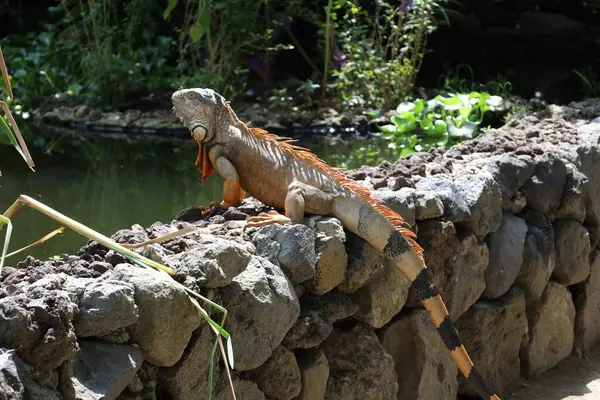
x=110, y=184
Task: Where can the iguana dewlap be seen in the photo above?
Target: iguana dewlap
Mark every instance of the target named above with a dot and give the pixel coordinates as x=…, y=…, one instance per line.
x=291, y=178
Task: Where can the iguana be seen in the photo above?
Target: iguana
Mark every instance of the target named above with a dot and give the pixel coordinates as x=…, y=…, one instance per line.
x=285, y=176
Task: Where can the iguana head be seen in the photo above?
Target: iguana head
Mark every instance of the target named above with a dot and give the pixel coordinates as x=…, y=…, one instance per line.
x=199, y=110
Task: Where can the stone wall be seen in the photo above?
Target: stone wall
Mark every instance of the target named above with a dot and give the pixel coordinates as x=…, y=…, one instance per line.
x=510, y=227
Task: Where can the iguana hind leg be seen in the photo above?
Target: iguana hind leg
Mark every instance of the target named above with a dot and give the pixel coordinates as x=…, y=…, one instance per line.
x=300, y=198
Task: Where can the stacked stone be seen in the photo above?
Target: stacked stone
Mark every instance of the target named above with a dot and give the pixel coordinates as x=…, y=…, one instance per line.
x=509, y=226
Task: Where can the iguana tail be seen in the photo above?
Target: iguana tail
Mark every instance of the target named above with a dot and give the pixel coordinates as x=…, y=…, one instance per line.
x=386, y=231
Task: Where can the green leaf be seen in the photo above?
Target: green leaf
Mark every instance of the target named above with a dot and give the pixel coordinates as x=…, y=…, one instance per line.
x=406, y=122
x=419, y=107
x=406, y=151
x=406, y=106
x=388, y=128
x=201, y=26
x=169, y=9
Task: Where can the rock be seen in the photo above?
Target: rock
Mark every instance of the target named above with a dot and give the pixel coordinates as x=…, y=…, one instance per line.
x=482, y=196
x=244, y=390
x=427, y=205
x=214, y=262
x=292, y=247
x=382, y=297
x=332, y=306
x=539, y=258
x=424, y=369
x=492, y=333
x=159, y=298
x=469, y=262
x=330, y=268
x=262, y=307
x=12, y=371
x=572, y=242
x=364, y=261
x=308, y=331
x=279, y=377
x=328, y=226
x=359, y=366
x=103, y=371
x=572, y=204
x=104, y=307
x=550, y=25
x=314, y=371
x=455, y=206
x=511, y=172
x=587, y=303
x=38, y=322
x=401, y=201
x=188, y=378
x=506, y=256
x=437, y=238
x=551, y=332
x=545, y=188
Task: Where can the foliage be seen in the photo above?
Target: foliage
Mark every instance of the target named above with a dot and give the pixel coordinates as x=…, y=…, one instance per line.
x=381, y=53
x=590, y=82
x=441, y=121
x=455, y=81
x=11, y=129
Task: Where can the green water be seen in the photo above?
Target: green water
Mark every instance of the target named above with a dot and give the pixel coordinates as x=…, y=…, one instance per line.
x=111, y=184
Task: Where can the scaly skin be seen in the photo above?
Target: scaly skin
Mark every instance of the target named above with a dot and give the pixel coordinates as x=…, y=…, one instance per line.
x=291, y=178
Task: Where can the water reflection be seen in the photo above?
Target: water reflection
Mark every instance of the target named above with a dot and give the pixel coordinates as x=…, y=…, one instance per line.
x=111, y=184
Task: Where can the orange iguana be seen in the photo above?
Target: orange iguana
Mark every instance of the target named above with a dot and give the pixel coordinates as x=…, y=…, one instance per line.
x=291, y=178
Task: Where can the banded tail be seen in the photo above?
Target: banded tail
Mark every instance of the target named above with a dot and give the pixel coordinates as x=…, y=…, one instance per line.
x=384, y=229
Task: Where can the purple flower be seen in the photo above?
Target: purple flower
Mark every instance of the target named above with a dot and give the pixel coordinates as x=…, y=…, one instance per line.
x=287, y=24
x=338, y=60
x=407, y=5
x=255, y=64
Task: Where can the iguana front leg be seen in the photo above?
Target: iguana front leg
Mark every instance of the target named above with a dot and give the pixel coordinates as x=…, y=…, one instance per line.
x=232, y=191
x=300, y=198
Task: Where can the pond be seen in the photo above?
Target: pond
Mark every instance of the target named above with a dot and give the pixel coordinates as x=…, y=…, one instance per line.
x=111, y=183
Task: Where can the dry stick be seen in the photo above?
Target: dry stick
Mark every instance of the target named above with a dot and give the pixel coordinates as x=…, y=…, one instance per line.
x=17, y=131
x=5, y=74
x=81, y=229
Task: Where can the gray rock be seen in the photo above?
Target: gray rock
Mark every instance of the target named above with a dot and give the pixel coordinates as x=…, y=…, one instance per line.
x=587, y=303
x=572, y=205
x=572, y=242
x=422, y=364
x=400, y=201
x=103, y=371
x=308, y=331
x=539, y=259
x=329, y=226
x=12, y=375
x=492, y=333
x=333, y=306
x=551, y=332
x=291, y=247
x=382, y=297
x=545, y=188
x=467, y=280
x=364, y=261
x=214, y=262
x=38, y=322
x=262, y=307
x=456, y=208
x=438, y=239
x=188, y=378
x=588, y=155
x=159, y=298
x=359, y=366
x=427, y=205
x=279, y=377
x=330, y=269
x=244, y=390
x=104, y=307
x=314, y=371
x=506, y=256
x=483, y=197
x=511, y=172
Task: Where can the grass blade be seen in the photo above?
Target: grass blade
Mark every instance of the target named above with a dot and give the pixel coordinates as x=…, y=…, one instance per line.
x=6, y=221
x=5, y=74
x=39, y=241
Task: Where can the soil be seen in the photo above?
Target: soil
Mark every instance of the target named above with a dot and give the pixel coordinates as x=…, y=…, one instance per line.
x=575, y=378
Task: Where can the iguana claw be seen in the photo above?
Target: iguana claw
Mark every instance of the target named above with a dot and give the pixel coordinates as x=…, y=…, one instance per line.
x=270, y=218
